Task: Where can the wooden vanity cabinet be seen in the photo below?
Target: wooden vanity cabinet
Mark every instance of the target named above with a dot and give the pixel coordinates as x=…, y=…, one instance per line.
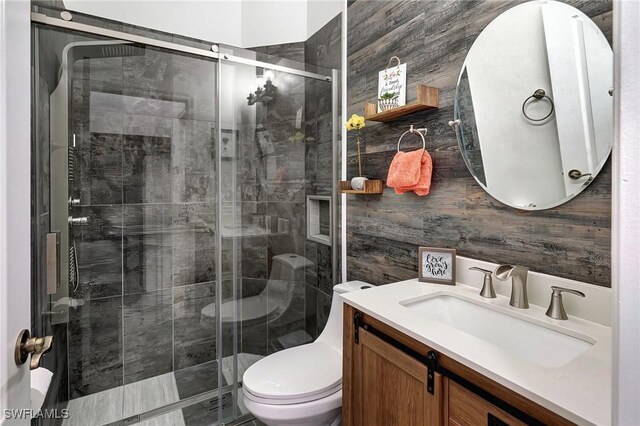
x=391, y=386
x=391, y=379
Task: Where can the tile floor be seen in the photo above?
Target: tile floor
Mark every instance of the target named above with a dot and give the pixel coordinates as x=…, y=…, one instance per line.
x=122, y=402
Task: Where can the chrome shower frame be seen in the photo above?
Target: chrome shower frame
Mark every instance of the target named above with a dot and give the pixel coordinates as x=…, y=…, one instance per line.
x=40, y=18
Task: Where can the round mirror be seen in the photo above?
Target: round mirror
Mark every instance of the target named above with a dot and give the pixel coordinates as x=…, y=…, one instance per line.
x=534, y=107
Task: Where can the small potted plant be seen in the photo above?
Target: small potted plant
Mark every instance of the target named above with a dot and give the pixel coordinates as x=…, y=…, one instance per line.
x=356, y=122
x=388, y=100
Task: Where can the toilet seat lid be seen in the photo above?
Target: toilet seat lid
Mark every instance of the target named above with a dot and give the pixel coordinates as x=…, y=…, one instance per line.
x=299, y=374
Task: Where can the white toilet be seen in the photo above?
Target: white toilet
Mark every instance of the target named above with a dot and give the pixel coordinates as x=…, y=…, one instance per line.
x=303, y=385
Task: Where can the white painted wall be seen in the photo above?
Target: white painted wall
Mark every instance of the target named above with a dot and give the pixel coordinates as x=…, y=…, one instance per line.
x=319, y=12
x=269, y=22
x=205, y=20
x=241, y=23
x=626, y=216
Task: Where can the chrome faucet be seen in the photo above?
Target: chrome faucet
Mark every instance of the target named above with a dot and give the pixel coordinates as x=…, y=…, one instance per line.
x=518, y=275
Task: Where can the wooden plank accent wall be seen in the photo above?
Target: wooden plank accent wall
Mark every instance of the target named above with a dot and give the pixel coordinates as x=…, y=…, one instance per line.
x=384, y=231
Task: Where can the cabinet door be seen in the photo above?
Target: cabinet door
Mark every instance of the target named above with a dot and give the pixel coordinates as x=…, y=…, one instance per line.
x=464, y=408
x=391, y=387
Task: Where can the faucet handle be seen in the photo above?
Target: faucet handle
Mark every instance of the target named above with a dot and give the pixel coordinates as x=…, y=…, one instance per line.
x=556, y=307
x=487, y=286
x=485, y=271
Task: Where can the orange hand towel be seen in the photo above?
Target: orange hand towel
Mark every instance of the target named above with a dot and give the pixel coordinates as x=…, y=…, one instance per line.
x=411, y=171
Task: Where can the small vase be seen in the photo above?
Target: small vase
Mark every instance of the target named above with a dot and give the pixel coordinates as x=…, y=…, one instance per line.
x=357, y=183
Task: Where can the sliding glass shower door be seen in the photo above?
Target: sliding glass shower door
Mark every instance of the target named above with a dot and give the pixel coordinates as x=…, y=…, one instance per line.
x=183, y=218
x=125, y=140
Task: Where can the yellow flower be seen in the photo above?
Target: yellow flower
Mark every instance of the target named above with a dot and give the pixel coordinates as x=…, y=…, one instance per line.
x=355, y=122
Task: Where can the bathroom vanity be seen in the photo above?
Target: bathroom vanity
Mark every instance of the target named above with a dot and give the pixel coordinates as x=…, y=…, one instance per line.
x=417, y=353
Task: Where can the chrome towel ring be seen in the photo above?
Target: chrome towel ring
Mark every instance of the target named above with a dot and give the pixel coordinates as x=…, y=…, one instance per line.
x=414, y=131
x=537, y=95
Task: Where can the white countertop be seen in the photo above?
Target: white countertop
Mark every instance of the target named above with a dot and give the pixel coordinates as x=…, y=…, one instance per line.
x=579, y=390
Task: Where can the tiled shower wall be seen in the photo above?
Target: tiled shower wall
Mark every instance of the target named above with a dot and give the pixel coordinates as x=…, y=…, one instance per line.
x=322, y=49
x=385, y=231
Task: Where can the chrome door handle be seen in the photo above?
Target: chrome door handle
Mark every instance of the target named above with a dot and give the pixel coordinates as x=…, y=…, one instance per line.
x=36, y=346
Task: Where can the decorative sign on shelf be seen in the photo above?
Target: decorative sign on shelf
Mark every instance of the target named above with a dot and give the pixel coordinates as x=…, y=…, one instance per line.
x=392, y=86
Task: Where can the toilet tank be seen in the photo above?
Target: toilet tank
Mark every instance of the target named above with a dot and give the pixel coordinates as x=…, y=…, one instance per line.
x=332, y=333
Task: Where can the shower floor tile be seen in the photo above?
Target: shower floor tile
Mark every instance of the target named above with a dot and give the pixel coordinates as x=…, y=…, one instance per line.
x=116, y=404
x=97, y=409
x=124, y=401
x=149, y=394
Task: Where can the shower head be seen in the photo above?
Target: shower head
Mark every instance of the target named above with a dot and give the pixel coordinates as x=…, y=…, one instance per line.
x=95, y=49
x=109, y=49
x=116, y=50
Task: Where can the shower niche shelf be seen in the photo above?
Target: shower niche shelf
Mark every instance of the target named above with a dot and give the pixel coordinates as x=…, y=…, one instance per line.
x=370, y=187
x=427, y=98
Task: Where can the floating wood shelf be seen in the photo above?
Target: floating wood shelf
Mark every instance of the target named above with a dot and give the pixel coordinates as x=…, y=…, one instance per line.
x=370, y=187
x=428, y=98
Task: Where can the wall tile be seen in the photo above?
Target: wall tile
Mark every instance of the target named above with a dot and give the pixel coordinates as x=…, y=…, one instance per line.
x=150, y=75
x=147, y=333
x=147, y=169
x=194, y=83
x=194, y=335
x=99, y=252
x=95, y=339
x=193, y=243
x=98, y=169
x=147, y=248
x=193, y=161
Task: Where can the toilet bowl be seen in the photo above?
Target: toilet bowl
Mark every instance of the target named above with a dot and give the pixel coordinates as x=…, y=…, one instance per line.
x=287, y=270
x=302, y=386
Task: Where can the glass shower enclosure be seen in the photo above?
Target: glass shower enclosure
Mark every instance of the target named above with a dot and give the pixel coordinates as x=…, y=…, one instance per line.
x=184, y=217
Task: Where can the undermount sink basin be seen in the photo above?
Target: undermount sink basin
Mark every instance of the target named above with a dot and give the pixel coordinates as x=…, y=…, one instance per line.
x=533, y=342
